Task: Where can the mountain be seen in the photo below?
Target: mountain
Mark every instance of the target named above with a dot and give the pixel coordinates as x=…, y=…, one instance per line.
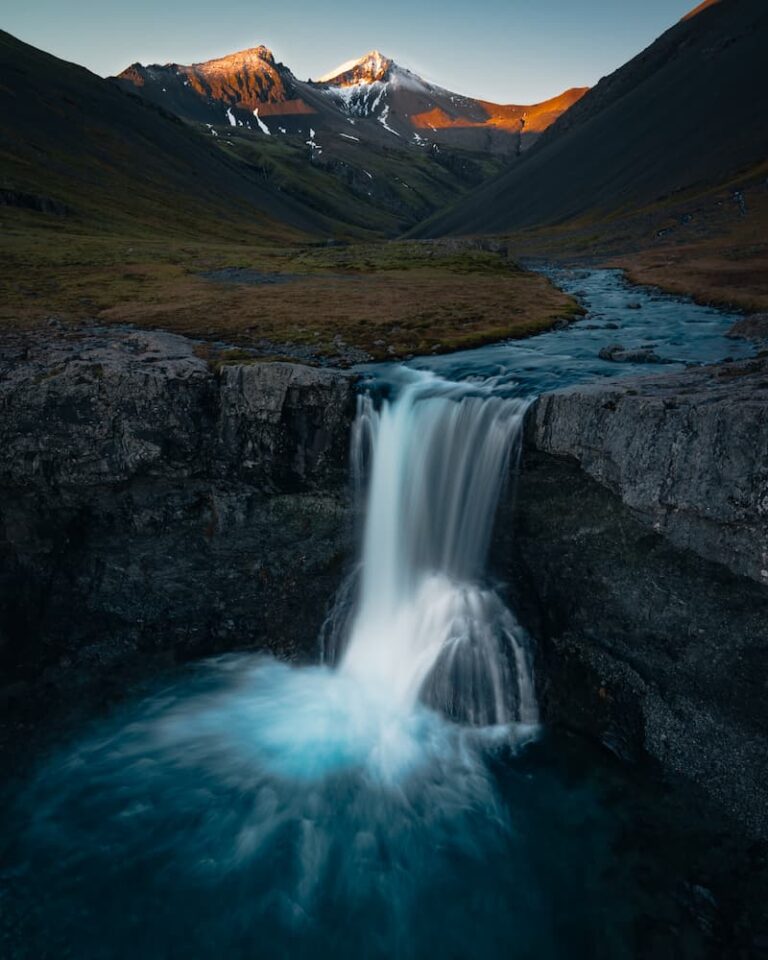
x=685, y=114
x=381, y=99
x=697, y=9
x=369, y=144
x=81, y=152
x=229, y=90
x=413, y=109
x=78, y=152
x=74, y=145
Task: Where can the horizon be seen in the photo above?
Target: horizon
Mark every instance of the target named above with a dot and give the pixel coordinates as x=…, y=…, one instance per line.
x=555, y=47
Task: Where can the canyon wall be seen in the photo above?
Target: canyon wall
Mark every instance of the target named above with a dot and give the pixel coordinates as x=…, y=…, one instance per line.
x=638, y=541
x=154, y=507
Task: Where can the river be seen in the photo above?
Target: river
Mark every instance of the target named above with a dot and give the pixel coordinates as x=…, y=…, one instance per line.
x=401, y=798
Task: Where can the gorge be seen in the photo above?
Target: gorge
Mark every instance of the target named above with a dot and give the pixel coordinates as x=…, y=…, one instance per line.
x=156, y=509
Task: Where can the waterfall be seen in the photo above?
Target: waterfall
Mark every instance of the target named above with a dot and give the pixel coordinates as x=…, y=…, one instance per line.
x=423, y=625
x=335, y=810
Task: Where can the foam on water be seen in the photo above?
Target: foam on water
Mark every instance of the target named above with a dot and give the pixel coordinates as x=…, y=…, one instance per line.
x=254, y=800
x=423, y=624
x=354, y=809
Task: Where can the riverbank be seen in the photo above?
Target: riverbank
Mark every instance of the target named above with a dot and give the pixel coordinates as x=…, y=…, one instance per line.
x=707, y=244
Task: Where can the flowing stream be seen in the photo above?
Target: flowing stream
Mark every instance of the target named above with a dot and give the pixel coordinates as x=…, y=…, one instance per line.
x=396, y=800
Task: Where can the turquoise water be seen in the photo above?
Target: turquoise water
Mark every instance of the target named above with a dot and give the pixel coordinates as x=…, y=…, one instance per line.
x=405, y=802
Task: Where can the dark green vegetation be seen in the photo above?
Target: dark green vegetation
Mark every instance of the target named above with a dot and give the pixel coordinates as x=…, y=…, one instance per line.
x=370, y=188
x=76, y=150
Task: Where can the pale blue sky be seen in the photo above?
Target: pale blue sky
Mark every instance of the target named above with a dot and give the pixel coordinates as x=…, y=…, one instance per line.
x=512, y=51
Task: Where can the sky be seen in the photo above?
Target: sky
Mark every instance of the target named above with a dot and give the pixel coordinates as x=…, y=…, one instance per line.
x=509, y=51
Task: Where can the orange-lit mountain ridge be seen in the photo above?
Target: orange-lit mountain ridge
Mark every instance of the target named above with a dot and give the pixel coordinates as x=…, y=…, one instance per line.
x=383, y=101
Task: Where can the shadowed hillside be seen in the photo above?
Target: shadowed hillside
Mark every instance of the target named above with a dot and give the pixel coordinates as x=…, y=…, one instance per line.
x=688, y=111
x=76, y=147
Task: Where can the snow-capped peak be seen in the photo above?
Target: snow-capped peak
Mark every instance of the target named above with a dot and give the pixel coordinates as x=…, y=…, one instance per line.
x=371, y=68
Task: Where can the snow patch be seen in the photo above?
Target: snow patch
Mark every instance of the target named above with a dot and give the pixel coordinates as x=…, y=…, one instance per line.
x=262, y=126
x=359, y=99
x=348, y=136
x=314, y=148
x=231, y=117
x=383, y=121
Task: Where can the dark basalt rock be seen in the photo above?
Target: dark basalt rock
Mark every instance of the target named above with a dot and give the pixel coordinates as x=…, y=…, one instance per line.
x=640, y=540
x=151, y=506
x=617, y=353
x=688, y=453
x=753, y=327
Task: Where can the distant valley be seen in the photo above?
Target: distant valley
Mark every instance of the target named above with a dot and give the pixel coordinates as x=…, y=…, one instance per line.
x=373, y=94
x=399, y=145
x=659, y=168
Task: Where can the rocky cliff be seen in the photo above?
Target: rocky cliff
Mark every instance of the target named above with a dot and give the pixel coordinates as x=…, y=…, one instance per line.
x=640, y=537
x=152, y=506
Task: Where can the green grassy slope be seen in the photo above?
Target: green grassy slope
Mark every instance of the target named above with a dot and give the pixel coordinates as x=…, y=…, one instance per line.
x=376, y=191
x=75, y=146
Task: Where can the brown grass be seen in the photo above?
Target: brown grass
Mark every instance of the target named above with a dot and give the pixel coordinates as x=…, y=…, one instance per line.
x=389, y=300
x=728, y=268
x=704, y=244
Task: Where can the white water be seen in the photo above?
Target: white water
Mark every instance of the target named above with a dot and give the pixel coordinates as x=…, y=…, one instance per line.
x=424, y=625
x=328, y=811
x=251, y=808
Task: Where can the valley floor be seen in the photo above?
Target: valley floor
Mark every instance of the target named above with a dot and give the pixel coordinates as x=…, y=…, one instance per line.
x=319, y=303
x=709, y=245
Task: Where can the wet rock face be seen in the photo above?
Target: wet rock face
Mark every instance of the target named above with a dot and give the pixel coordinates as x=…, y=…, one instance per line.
x=638, y=543
x=152, y=505
x=648, y=648
x=753, y=327
x=688, y=453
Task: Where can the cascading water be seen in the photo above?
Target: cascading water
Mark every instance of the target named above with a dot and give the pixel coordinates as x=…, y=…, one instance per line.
x=295, y=796
x=377, y=805
x=423, y=625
